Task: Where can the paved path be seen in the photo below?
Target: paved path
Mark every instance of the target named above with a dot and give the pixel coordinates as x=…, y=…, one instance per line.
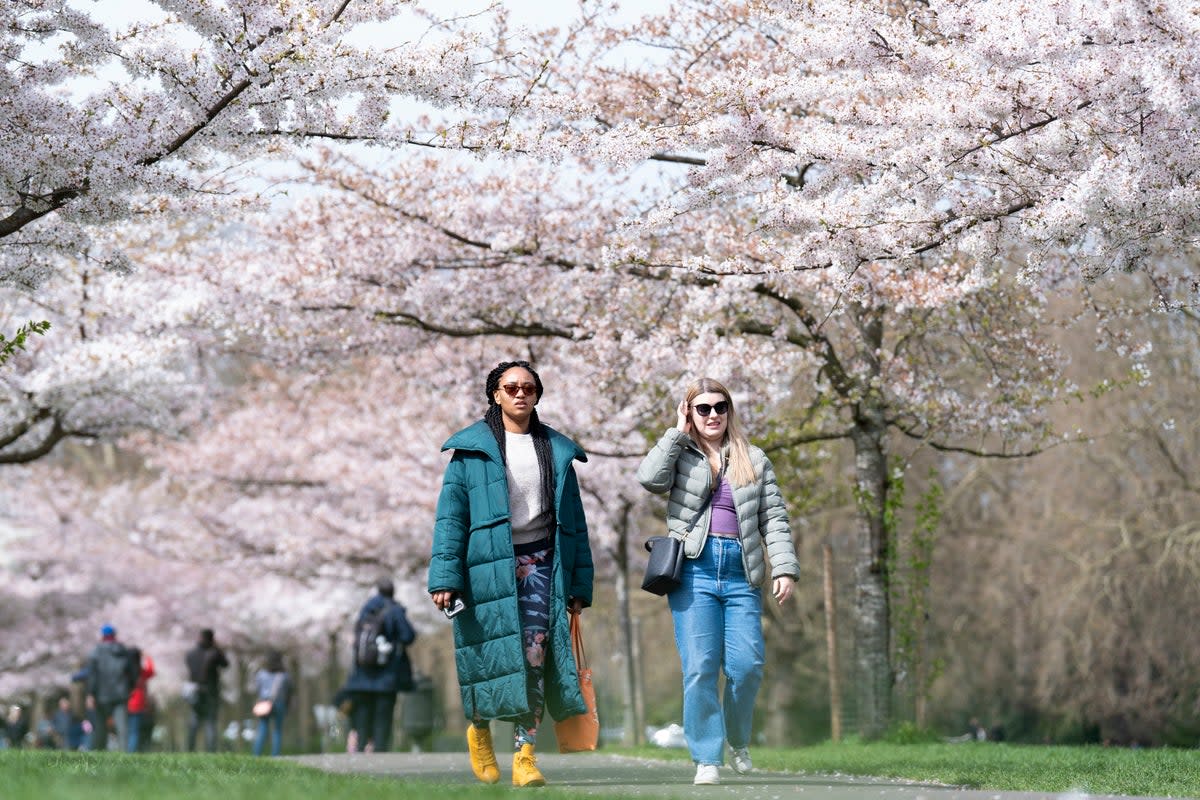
x=600, y=773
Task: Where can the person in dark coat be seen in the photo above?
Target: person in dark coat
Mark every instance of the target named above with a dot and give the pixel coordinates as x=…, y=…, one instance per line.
x=511, y=542
x=373, y=688
x=109, y=683
x=204, y=664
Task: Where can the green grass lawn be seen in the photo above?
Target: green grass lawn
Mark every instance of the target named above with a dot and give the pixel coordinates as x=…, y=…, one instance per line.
x=49, y=775
x=988, y=765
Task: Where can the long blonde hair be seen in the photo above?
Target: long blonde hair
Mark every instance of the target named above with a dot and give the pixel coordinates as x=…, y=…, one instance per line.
x=740, y=468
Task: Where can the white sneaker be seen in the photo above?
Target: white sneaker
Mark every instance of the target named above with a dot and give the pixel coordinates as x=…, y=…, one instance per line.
x=742, y=764
x=707, y=775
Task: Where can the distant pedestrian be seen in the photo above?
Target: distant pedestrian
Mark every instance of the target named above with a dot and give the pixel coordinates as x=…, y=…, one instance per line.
x=725, y=505
x=110, y=679
x=68, y=725
x=138, y=705
x=381, y=668
x=272, y=683
x=44, y=735
x=16, y=726
x=204, y=664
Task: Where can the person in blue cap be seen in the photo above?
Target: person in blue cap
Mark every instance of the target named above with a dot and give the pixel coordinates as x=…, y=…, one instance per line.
x=108, y=685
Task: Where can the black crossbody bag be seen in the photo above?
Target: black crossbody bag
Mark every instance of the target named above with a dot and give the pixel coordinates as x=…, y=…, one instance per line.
x=664, y=568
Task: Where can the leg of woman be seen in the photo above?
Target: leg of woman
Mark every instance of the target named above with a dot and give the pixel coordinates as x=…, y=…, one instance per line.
x=277, y=729
x=699, y=635
x=533, y=601
x=743, y=645
x=135, y=726
x=260, y=736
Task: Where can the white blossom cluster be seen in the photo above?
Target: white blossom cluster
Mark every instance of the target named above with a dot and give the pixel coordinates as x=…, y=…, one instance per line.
x=107, y=122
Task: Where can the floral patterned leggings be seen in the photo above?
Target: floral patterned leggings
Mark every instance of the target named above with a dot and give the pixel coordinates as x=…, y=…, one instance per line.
x=533, y=602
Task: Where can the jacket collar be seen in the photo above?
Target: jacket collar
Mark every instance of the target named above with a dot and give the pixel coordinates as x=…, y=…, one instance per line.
x=478, y=438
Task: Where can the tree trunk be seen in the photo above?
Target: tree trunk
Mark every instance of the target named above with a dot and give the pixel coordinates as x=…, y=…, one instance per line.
x=831, y=632
x=629, y=722
x=872, y=614
x=241, y=705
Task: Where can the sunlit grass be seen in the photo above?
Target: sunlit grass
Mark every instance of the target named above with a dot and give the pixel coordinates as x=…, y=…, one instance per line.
x=988, y=765
x=50, y=775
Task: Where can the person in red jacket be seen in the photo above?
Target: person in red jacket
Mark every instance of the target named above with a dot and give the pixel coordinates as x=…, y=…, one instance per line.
x=138, y=700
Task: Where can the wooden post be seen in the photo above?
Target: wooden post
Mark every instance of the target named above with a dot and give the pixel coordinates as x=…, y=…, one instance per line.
x=835, y=685
x=639, y=681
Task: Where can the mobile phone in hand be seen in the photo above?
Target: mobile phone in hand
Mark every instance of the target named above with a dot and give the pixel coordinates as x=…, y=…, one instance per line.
x=456, y=605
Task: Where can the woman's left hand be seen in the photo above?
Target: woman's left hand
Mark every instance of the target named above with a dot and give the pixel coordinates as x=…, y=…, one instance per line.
x=575, y=606
x=782, y=588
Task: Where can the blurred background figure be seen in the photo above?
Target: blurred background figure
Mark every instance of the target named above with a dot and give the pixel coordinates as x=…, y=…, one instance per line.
x=272, y=683
x=138, y=704
x=110, y=679
x=204, y=664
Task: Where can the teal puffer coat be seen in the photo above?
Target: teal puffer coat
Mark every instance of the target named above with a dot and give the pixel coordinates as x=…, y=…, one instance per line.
x=473, y=556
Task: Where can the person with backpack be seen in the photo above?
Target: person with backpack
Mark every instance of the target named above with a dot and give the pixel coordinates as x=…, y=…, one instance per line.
x=110, y=679
x=381, y=667
x=204, y=664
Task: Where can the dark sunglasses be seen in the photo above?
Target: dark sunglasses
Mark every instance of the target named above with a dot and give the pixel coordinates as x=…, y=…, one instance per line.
x=511, y=389
x=704, y=409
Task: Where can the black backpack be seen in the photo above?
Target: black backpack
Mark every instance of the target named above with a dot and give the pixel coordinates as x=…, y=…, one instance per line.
x=372, y=648
x=112, y=671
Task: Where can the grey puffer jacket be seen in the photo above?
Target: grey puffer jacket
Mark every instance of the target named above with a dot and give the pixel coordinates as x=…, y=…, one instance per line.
x=677, y=465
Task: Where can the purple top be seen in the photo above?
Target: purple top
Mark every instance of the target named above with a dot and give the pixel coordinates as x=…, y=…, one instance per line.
x=724, y=514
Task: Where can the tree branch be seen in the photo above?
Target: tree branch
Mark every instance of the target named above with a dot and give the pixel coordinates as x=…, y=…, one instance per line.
x=24, y=456
x=485, y=328
x=975, y=451
x=803, y=439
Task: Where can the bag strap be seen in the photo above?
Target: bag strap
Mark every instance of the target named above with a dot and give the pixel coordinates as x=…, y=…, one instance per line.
x=581, y=662
x=275, y=685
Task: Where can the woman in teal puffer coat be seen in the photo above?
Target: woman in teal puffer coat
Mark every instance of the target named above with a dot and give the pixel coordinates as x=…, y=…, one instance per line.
x=511, y=542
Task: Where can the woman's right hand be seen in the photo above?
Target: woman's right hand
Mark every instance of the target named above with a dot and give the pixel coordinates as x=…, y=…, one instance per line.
x=682, y=421
x=442, y=599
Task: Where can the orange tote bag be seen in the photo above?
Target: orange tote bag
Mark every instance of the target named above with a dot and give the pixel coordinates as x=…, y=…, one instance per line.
x=581, y=732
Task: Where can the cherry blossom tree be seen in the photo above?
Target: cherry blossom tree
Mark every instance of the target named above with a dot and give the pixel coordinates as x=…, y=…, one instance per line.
x=132, y=553
x=122, y=355
x=176, y=110
x=527, y=266
x=899, y=187
x=872, y=207
x=858, y=216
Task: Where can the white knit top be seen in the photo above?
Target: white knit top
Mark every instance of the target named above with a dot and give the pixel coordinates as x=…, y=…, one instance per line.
x=531, y=516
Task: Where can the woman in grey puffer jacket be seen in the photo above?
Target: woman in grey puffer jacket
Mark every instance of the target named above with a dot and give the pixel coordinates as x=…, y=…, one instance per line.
x=725, y=504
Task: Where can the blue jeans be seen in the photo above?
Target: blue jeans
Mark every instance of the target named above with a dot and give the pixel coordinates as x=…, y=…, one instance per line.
x=275, y=721
x=135, y=729
x=718, y=627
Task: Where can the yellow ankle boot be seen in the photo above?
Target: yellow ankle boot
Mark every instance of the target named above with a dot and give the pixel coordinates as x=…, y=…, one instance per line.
x=483, y=757
x=525, y=771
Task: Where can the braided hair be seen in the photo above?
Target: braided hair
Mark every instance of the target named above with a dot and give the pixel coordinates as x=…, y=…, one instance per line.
x=494, y=417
